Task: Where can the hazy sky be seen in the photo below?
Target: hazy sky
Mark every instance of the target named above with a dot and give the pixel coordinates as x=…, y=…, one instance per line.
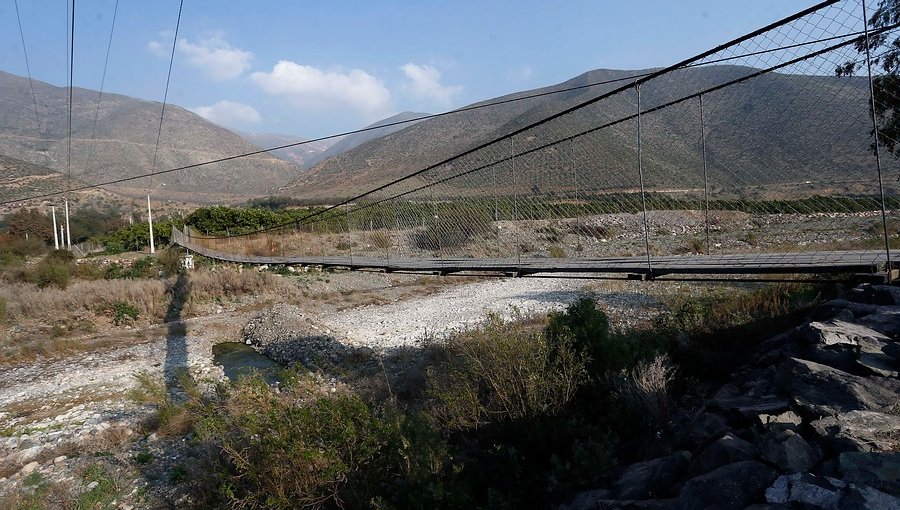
x=317, y=68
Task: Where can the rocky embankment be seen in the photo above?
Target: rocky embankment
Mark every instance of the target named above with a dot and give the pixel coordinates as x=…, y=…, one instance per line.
x=812, y=422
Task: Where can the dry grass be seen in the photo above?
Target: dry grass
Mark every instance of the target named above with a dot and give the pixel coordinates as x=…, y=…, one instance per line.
x=646, y=389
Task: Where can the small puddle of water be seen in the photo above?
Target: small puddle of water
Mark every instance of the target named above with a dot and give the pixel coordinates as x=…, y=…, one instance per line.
x=240, y=360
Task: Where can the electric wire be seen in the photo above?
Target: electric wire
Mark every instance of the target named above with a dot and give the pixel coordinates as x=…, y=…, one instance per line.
x=103, y=80
x=165, y=96
x=37, y=117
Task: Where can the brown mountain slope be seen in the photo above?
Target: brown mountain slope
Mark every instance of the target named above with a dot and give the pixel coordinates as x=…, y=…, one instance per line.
x=124, y=141
x=767, y=131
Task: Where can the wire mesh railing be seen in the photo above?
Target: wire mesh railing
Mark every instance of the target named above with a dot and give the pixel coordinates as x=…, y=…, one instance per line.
x=755, y=156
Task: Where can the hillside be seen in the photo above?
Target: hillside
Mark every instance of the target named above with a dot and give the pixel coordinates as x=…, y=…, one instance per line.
x=20, y=179
x=124, y=143
x=353, y=141
x=775, y=129
x=303, y=156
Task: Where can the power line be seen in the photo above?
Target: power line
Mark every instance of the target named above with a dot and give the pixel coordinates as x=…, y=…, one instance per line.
x=103, y=78
x=37, y=118
x=165, y=95
x=689, y=63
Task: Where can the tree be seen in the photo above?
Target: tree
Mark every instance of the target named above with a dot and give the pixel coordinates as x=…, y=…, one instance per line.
x=884, y=48
x=30, y=222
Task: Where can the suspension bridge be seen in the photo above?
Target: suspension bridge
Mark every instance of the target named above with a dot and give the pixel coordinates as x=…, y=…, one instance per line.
x=608, y=185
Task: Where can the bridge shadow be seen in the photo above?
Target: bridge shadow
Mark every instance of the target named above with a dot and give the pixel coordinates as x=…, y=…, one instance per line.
x=176, y=333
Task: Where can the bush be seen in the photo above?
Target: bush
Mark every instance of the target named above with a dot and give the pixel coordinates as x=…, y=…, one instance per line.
x=54, y=270
x=123, y=313
x=170, y=260
x=300, y=448
x=502, y=372
x=452, y=230
x=645, y=390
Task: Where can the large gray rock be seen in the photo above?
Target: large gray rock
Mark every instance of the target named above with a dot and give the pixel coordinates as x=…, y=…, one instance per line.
x=838, y=332
x=651, y=478
x=865, y=431
x=878, y=470
x=730, y=398
x=819, y=390
x=892, y=350
x=730, y=487
x=867, y=498
x=789, y=451
x=700, y=429
x=806, y=490
x=875, y=294
x=726, y=450
x=885, y=321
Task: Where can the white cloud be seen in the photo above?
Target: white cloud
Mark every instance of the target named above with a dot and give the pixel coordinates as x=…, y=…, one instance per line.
x=228, y=113
x=426, y=84
x=310, y=88
x=214, y=56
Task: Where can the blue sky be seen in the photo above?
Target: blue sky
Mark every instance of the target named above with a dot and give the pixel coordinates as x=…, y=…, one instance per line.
x=316, y=68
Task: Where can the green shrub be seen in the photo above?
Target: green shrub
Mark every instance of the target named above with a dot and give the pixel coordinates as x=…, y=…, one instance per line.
x=298, y=448
x=170, y=260
x=55, y=270
x=123, y=313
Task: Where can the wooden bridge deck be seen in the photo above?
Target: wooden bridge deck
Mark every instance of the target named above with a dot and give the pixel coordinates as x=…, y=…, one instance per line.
x=846, y=261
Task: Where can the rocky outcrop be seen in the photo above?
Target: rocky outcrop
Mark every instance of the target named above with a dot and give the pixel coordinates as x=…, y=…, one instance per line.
x=812, y=421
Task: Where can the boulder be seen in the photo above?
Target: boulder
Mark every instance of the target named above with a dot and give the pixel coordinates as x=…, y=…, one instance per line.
x=651, y=478
x=806, y=491
x=702, y=428
x=788, y=450
x=730, y=398
x=875, y=294
x=838, y=332
x=726, y=450
x=880, y=470
x=884, y=321
x=729, y=487
x=892, y=349
x=859, y=431
x=646, y=504
x=867, y=498
x=587, y=500
x=819, y=390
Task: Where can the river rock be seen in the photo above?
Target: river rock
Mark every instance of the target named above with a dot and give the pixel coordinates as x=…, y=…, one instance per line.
x=820, y=390
x=651, y=478
x=806, y=490
x=729, y=487
x=859, y=431
x=838, y=332
x=788, y=450
x=867, y=498
x=880, y=470
x=884, y=321
x=726, y=450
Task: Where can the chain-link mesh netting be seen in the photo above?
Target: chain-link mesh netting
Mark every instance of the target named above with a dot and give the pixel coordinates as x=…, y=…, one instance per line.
x=755, y=157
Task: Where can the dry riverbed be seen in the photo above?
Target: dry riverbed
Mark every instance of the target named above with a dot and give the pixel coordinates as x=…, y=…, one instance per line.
x=61, y=418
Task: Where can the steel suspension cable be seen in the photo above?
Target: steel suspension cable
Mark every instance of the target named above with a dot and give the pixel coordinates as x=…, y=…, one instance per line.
x=165, y=96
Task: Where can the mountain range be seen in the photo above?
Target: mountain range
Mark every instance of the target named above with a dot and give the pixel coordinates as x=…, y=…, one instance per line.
x=122, y=141
x=765, y=132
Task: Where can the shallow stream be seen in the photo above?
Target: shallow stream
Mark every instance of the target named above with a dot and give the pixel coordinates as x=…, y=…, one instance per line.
x=239, y=360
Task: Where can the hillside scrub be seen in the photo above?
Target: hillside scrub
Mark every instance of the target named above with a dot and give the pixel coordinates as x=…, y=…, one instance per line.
x=47, y=315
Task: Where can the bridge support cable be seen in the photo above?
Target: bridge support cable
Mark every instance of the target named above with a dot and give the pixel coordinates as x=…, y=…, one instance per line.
x=640, y=168
x=884, y=222
x=705, y=174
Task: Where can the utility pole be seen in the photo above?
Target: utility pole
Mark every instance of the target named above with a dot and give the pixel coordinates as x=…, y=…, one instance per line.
x=68, y=232
x=150, y=218
x=55, y=232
